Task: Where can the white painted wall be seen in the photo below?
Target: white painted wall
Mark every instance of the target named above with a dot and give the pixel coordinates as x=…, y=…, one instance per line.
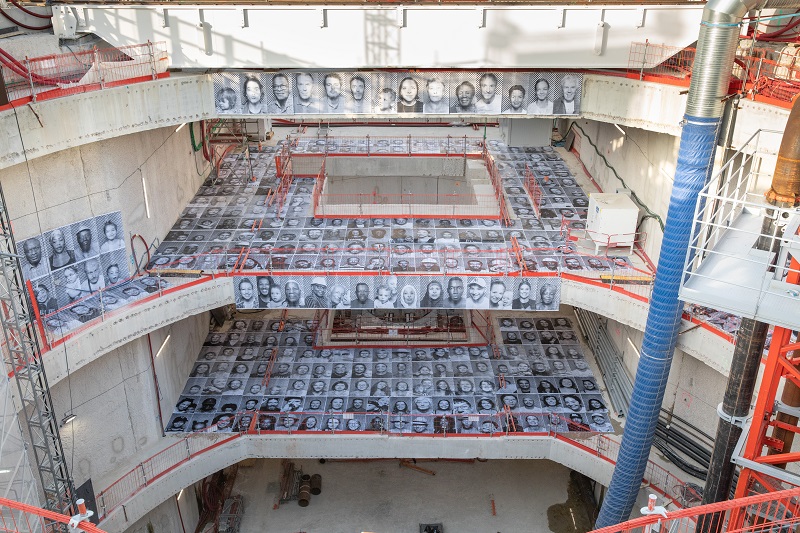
x=645, y=160
x=247, y=36
x=167, y=518
x=95, y=178
x=694, y=389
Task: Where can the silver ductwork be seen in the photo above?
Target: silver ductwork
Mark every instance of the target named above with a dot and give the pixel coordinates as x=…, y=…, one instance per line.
x=716, y=49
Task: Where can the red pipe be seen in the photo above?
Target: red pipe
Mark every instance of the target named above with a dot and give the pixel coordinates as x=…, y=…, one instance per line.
x=779, y=32
x=26, y=26
x=203, y=139
x=29, y=12
x=18, y=68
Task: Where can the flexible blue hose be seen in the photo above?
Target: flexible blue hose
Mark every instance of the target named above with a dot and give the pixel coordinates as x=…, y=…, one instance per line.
x=695, y=159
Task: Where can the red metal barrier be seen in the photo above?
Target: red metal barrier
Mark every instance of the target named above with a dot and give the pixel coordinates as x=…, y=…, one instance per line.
x=496, y=424
x=767, y=76
x=772, y=512
x=60, y=75
x=22, y=518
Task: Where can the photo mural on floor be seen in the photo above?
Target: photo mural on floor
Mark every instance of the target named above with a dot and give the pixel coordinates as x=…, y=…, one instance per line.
x=546, y=383
x=216, y=232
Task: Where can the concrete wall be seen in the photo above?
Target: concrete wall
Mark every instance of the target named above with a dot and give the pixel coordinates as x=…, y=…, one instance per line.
x=345, y=446
x=167, y=518
x=377, y=166
x=644, y=159
x=116, y=415
x=114, y=399
x=175, y=349
x=49, y=126
x=134, y=322
x=109, y=175
x=526, y=132
x=693, y=390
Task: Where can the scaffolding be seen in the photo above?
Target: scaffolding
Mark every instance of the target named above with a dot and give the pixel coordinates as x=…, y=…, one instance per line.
x=23, y=361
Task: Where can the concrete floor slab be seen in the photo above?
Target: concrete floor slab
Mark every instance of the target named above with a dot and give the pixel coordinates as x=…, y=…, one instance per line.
x=383, y=497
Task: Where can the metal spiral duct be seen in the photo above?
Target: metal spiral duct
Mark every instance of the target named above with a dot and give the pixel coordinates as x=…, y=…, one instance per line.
x=710, y=78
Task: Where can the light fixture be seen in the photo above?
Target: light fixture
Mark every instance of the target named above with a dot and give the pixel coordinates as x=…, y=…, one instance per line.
x=144, y=192
x=67, y=419
x=638, y=354
x=180, y=494
x=163, y=345
x=5, y=471
x=180, y=127
x=620, y=129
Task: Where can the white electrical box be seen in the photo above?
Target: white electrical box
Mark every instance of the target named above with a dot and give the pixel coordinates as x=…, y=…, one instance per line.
x=612, y=219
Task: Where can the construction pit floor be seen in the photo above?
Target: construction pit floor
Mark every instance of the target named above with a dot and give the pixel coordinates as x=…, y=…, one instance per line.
x=385, y=496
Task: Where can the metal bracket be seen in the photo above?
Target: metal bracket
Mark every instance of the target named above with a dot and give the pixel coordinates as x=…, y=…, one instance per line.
x=163, y=14
x=738, y=421
x=781, y=407
x=640, y=16
x=561, y=18
x=481, y=17
x=401, y=16
x=243, y=18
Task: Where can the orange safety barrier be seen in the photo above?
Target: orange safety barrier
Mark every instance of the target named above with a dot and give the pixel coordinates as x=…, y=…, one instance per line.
x=18, y=517
x=58, y=75
x=194, y=445
x=774, y=80
x=773, y=512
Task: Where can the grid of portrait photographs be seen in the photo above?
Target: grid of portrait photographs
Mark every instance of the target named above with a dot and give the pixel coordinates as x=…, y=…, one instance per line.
x=397, y=93
x=719, y=319
x=79, y=270
x=397, y=292
x=539, y=381
x=230, y=215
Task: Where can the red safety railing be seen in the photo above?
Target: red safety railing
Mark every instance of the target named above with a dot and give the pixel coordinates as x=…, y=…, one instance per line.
x=534, y=191
x=431, y=425
x=395, y=146
x=59, y=75
x=497, y=183
x=53, y=336
x=18, y=517
x=155, y=467
x=764, y=74
x=774, y=512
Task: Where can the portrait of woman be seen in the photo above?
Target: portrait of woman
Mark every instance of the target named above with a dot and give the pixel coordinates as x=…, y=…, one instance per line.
x=408, y=98
x=408, y=298
x=523, y=299
x=253, y=96
x=541, y=105
x=433, y=296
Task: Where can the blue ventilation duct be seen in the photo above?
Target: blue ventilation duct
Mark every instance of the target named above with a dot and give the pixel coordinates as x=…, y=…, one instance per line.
x=711, y=74
x=663, y=320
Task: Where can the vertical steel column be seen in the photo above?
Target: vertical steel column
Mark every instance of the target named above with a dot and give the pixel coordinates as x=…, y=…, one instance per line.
x=23, y=357
x=735, y=407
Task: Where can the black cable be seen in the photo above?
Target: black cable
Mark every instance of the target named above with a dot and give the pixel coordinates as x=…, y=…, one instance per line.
x=634, y=196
